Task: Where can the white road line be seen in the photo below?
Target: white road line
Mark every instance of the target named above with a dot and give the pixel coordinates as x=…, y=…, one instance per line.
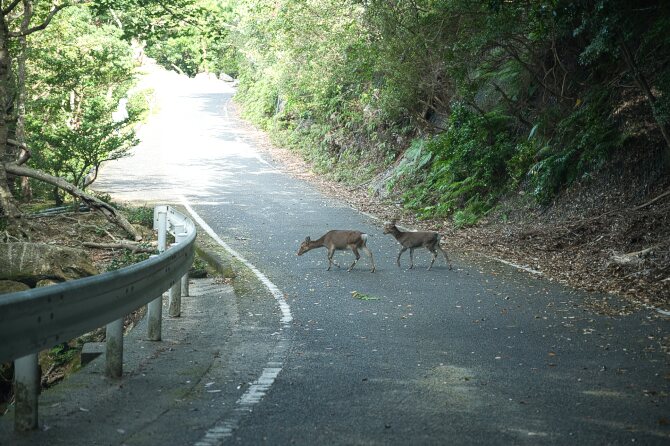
x=521, y=267
x=287, y=317
x=257, y=390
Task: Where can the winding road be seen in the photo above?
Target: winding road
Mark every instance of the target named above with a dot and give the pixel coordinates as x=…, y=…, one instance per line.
x=483, y=353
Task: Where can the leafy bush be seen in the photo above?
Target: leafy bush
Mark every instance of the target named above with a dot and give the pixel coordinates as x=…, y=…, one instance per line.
x=127, y=259
x=63, y=353
x=584, y=141
x=143, y=215
x=464, y=168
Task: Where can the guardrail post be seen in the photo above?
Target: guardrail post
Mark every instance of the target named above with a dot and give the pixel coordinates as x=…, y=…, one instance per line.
x=155, y=307
x=162, y=230
x=26, y=390
x=176, y=289
x=180, y=237
x=184, y=285
x=114, y=349
x=175, y=300
x=155, y=318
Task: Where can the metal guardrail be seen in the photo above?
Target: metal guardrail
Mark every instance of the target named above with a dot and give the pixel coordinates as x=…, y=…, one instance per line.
x=40, y=318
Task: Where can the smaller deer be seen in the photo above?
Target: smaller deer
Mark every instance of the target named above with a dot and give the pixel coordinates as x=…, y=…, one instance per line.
x=411, y=240
x=339, y=240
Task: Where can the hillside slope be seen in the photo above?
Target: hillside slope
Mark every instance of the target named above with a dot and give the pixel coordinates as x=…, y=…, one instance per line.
x=607, y=234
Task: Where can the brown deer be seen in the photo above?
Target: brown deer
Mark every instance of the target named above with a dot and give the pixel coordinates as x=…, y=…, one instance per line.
x=339, y=240
x=412, y=240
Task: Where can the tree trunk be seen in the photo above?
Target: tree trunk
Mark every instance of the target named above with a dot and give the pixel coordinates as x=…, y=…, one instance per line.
x=107, y=210
x=7, y=202
x=26, y=190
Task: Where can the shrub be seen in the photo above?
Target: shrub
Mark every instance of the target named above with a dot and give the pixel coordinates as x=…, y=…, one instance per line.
x=465, y=168
x=584, y=141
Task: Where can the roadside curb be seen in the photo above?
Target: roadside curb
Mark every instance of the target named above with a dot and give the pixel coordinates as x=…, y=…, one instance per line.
x=216, y=261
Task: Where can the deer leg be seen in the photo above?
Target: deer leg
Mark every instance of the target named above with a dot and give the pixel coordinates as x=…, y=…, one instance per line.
x=411, y=258
x=368, y=252
x=434, y=252
x=446, y=257
x=358, y=256
x=331, y=262
x=403, y=249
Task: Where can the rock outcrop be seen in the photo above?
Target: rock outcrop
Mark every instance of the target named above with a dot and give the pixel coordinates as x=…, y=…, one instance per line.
x=32, y=262
x=11, y=286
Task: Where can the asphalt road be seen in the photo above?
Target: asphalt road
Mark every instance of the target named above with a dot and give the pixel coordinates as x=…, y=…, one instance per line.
x=483, y=353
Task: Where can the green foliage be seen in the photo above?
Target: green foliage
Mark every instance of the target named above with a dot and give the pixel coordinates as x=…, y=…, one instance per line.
x=142, y=215
x=182, y=52
x=363, y=296
x=127, y=259
x=476, y=99
x=199, y=269
x=188, y=35
x=261, y=98
x=77, y=74
x=585, y=140
x=63, y=354
x=465, y=168
x=104, y=197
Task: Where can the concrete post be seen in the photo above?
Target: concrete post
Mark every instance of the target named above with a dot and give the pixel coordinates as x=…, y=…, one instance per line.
x=155, y=307
x=184, y=285
x=26, y=391
x=174, y=308
x=155, y=318
x=179, y=238
x=176, y=290
x=114, y=349
x=162, y=231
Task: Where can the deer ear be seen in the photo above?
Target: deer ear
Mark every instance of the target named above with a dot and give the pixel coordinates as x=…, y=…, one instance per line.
x=307, y=239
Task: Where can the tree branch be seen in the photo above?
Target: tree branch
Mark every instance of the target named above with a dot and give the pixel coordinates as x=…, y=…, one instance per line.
x=125, y=244
x=528, y=68
x=24, y=154
x=46, y=21
x=10, y=7
x=107, y=210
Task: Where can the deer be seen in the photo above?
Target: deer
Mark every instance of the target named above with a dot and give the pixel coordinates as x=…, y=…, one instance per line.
x=339, y=240
x=412, y=240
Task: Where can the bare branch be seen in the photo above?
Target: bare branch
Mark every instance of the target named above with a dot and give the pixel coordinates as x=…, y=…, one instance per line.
x=107, y=210
x=512, y=52
x=125, y=244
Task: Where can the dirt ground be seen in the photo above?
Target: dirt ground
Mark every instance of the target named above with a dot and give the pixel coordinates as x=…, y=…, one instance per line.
x=75, y=229
x=606, y=235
